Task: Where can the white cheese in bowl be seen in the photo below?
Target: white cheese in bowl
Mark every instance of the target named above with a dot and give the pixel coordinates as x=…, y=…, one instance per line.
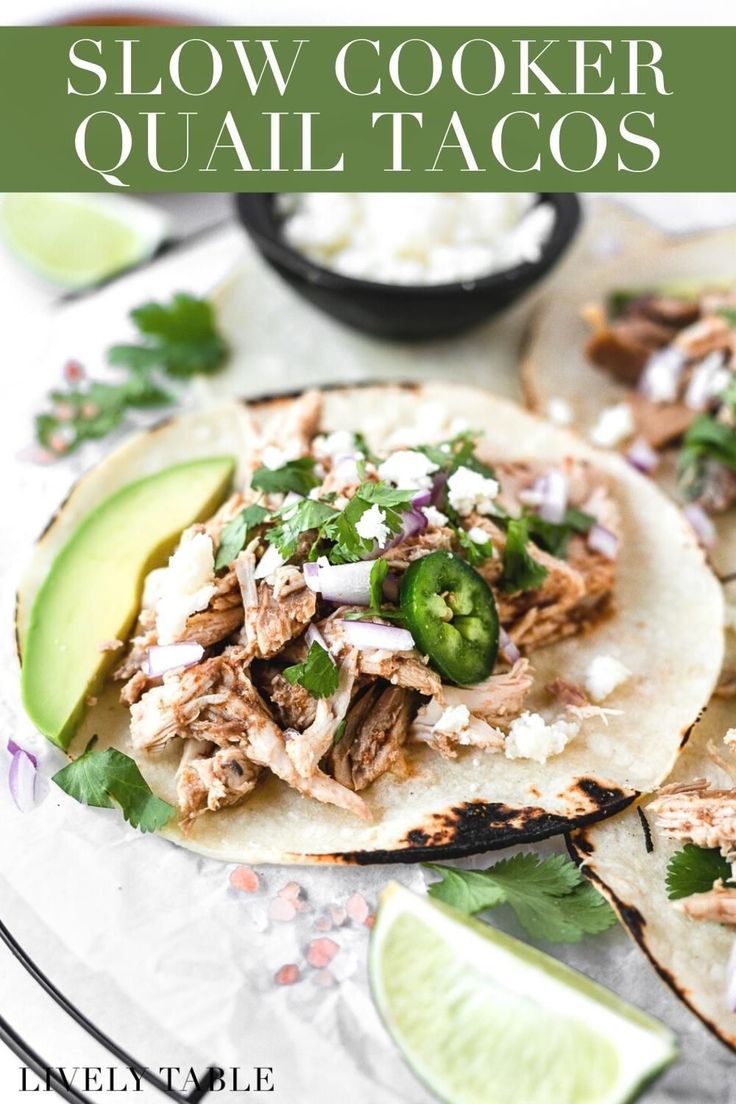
x=416, y=238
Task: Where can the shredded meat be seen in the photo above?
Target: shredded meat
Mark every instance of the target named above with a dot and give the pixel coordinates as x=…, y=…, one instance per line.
x=377, y=727
x=293, y=705
x=223, y=616
x=305, y=749
x=499, y=698
x=718, y=905
x=212, y=781
x=477, y=733
x=413, y=548
x=216, y=701
x=624, y=346
x=658, y=423
x=692, y=812
x=405, y=669
x=276, y=609
x=294, y=424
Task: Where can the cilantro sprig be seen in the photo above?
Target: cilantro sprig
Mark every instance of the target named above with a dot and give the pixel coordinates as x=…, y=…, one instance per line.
x=550, y=897
x=296, y=476
x=103, y=777
x=237, y=533
x=318, y=673
x=707, y=439
x=178, y=340
x=694, y=870
x=520, y=570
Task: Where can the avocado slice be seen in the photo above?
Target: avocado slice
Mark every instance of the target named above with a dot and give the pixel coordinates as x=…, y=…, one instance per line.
x=92, y=592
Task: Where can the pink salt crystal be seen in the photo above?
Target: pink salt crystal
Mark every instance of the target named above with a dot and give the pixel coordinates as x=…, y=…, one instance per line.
x=281, y=909
x=287, y=975
x=321, y=952
x=292, y=891
x=245, y=879
x=370, y=920
x=357, y=908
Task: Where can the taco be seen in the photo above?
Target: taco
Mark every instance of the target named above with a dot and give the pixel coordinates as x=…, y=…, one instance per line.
x=667, y=868
x=425, y=623
x=640, y=354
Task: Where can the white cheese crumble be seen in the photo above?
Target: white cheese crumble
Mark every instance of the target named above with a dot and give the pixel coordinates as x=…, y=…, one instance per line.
x=708, y=379
x=372, y=525
x=660, y=380
x=434, y=516
x=340, y=442
x=730, y=738
x=274, y=458
x=419, y=238
x=469, y=490
x=530, y=737
x=478, y=535
x=604, y=675
x=560, y=412
x=185, y=587
x=615, y=424
x=412, y=471
x=453, y=720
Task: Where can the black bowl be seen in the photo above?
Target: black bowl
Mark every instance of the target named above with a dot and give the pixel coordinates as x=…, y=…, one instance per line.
x=399, y=310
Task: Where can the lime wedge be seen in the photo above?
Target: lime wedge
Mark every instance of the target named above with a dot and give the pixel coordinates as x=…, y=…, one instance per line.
x=484, y=1019
x=78, y=240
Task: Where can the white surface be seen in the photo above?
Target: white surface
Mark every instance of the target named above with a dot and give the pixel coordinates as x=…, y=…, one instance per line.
x=87, y=902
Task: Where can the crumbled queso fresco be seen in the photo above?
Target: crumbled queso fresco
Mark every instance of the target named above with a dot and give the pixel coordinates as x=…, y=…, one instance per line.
x=419, y=238
x=530, y=737
x=604, y=675
x=183, y=588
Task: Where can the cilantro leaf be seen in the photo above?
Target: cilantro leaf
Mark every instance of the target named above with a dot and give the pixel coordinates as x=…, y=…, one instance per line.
x=706, y=439
x=96, y=777
x=475, y=553
x=348, y=545
x=296, y=476
x=694, y=870
x=551, y=898
x=382, y=494
x=235, y=535
x=520, y=570
x=318, y=673
x=379, y=571
x=455, y=453
x=555, y=537
x=180, y=338
x=296, y=519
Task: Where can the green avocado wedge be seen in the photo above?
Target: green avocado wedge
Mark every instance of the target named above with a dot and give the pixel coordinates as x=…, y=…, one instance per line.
x=93, y=589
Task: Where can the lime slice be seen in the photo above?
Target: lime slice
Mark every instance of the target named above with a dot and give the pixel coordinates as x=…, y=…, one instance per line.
x=77, y=240
x=484, y=1019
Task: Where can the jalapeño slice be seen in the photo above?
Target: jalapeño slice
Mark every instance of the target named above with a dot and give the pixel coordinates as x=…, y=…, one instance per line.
x=450, y=611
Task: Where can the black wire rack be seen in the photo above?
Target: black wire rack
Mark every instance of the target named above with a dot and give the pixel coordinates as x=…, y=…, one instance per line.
x=30, y=1057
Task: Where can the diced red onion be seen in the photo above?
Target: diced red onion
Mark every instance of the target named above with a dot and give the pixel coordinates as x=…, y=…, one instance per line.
x=642, y=456
x=311, y=570
x=270, y=561
x=14, y=748
x=314, y=636
x=707, y=379
x=412, y=522
x=660, y=378
x=422, y=498
x=439, y=482
x=168, y=657
x=507, y=648
x=552, y=491
x=22, y=780
x=731, y=979
x=346, y=584
x=346, y=466
x=604, y=541
x=703, y=527
x=368, y=634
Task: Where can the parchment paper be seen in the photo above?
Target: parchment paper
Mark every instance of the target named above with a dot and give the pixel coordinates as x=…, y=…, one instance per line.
x=155, y=944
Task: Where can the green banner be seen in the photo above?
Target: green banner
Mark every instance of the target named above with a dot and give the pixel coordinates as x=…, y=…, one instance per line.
x=376, y=109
